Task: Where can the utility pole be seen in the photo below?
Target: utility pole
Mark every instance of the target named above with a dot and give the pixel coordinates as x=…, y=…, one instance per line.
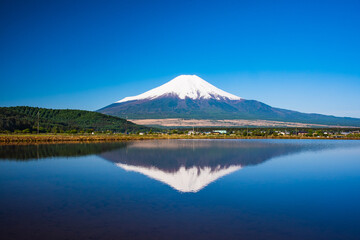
x=38, y=126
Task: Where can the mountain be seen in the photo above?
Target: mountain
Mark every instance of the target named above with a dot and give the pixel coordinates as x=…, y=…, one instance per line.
x=183, y=87
x=191, y=97
x=56, y=120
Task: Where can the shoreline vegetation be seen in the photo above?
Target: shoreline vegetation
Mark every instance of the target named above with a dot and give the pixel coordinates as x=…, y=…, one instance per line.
x=81, y=138
x=40, y=125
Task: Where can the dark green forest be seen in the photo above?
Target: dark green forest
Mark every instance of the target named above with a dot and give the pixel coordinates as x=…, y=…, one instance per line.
x=26, y=120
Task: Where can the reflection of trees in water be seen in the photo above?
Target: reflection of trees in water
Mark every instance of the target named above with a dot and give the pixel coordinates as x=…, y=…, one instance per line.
x=31, y=152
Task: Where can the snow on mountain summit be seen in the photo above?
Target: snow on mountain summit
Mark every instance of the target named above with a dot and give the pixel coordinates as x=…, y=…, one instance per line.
x=185, y=86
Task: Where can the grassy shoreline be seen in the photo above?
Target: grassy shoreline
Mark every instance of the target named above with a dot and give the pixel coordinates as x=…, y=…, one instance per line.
x=66, y=138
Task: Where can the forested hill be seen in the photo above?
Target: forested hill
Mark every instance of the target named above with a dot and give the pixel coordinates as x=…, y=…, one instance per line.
x=25, y=119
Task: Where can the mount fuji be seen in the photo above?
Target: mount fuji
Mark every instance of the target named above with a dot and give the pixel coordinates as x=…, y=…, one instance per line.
x=191, y=97
x=182, y=87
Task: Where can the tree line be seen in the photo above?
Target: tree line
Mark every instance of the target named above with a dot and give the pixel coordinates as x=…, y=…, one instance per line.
x=31, y=119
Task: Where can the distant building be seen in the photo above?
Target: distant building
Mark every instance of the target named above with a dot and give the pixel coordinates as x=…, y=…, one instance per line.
x=220, y=131
x=302, y=133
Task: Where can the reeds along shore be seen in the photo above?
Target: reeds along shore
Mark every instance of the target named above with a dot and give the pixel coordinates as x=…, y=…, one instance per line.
x=46, y=138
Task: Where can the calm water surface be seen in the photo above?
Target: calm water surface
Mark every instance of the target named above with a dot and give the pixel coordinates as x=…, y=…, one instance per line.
x=181, y=189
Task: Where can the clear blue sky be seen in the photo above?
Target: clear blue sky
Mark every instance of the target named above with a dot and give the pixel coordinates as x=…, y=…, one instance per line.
x=299, y=55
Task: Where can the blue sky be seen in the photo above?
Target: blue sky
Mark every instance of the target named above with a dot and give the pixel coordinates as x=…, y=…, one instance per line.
x=299, y=55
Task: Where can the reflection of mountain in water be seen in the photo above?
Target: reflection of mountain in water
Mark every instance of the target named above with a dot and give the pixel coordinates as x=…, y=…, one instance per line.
x=185, y=179
x=190, y=165
x=185, y=165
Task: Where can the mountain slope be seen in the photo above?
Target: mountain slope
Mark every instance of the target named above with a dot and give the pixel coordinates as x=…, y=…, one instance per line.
x=55, y=120
x=188, y=97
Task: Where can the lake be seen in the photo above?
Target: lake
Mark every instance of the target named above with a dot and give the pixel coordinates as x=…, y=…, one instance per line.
x=181, y=189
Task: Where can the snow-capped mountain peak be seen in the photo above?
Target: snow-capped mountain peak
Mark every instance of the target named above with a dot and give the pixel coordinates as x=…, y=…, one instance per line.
x=185, y=86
